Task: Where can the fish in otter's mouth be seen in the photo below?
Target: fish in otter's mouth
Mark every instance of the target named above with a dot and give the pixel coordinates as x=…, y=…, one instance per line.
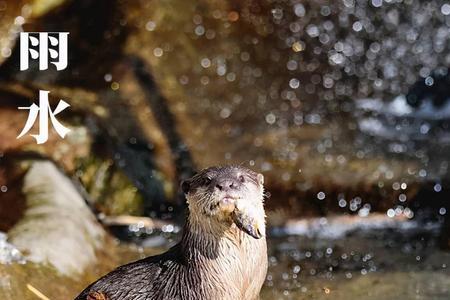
x=232, y=193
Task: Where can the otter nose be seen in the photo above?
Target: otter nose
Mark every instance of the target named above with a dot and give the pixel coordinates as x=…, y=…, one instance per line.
x=226, y=185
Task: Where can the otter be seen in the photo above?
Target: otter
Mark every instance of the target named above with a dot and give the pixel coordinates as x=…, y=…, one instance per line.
x=222, y=254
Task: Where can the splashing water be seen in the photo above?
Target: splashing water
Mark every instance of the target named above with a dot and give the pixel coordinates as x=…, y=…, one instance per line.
x=8, y=253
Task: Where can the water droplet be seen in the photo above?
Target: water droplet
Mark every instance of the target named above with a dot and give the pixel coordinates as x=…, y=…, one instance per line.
x=294, y=83
x=299, y=10
x=390, y=213
x=429, y=81
x=225, y=113
x=150, y=26
x=108, y=77
x=445, y=9
x=233, y=16
x=199, y=30
x=115, y=86
x=270, y=118
x=158, y=52
x=291, y=65
x=377, y=3
x=321, y=195
x=312, y=30
x=437, y=188
x=6, y=52
x=298, y=46
x=357, y=26
x=277, y=13
x=205, y=62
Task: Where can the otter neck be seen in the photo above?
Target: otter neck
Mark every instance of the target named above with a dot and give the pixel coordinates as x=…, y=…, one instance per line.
x=224, y=257
x=209, y=239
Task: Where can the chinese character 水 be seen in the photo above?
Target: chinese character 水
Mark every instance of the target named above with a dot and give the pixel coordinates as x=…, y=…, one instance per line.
x=44, y=111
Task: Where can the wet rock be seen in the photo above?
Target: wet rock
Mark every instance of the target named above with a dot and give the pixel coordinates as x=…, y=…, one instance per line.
x=65, y=151
x=55, y=244
x=110, y=191
x=99, y=134
x=57, y=228
x=106, y=107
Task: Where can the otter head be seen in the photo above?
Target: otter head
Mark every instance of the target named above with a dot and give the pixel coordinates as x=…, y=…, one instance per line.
x=227, y=195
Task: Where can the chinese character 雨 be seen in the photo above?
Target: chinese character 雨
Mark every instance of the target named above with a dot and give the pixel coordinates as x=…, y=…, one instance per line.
x=47, y=47
x=44, y=111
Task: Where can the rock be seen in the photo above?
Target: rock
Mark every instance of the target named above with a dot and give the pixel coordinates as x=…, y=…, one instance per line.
x=110, y=191
x=55, y=245
x=57, y=227
x=110, y=114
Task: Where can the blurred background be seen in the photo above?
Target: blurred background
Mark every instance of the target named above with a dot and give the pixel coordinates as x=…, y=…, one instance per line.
x=342, y=105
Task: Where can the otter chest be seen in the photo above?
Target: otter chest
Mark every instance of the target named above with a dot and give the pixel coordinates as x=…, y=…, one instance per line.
x=240, y=270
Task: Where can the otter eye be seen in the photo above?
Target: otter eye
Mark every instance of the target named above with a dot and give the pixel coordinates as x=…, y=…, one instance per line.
x=206, y=181
x=185, y=186
x=241, y=178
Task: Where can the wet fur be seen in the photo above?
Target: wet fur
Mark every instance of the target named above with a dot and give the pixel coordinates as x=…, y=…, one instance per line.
x=213, y=260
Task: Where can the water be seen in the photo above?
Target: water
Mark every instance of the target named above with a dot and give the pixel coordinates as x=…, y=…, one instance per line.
x=379, y=263
x=351, y=257
x=390, y=260
x=373, y=257
x=8, y=253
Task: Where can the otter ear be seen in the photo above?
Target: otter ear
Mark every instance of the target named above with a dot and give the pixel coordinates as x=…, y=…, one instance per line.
x=186, y=186
x=260, y=178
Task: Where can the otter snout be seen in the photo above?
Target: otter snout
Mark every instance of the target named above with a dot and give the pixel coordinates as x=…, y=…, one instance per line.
x=228, y=204
x=227, y=190
x=227, y=185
